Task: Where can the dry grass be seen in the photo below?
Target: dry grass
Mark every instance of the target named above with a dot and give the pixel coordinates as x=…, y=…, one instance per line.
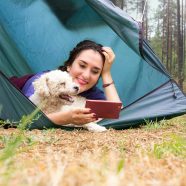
x=114, y=158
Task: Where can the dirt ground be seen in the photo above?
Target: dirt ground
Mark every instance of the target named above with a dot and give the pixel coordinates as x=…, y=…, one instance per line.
x=149, y=155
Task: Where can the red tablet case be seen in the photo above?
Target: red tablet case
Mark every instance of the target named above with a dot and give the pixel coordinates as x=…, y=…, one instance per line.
x=104, y=109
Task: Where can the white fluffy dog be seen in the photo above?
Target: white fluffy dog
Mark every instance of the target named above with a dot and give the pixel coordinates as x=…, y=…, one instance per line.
x=55, y=91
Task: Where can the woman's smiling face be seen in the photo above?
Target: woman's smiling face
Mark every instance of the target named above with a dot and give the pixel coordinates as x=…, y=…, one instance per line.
x=86, y=69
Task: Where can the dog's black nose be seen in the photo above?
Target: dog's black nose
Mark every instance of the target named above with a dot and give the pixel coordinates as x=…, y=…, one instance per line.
x=76, y=88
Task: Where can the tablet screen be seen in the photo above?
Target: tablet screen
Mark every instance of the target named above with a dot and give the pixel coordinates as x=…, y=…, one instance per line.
x=104, y=109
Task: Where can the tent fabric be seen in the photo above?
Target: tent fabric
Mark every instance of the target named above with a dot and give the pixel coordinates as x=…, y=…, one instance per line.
x=11, y=59
x=160, y=101
x=37, y=35
x=119, y=21
x=152, y=59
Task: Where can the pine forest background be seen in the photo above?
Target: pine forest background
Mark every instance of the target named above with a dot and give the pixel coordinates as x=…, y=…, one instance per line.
x=164, y=25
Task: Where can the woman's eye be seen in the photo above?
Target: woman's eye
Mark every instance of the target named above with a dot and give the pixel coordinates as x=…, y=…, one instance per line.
x=82, y=66
x=95, y=72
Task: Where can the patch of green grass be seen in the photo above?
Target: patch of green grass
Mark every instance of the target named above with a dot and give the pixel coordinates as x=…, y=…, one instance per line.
x=176, y=146
x=165, y=123
x=153, y=125
x=11, y=146
x=14, y=144
x=120, y=165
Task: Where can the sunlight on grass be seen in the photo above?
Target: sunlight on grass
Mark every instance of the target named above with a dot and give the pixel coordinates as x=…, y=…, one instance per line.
x=125, y=157
x=176, y=146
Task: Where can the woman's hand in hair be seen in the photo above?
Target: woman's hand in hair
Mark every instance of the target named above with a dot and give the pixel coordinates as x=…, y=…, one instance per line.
x=108, y=83
x=109, y=59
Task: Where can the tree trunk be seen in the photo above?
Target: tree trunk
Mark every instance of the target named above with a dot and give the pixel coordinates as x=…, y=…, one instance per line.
x=119, y=3
x=179, y=48
x=171, y=52
x=184, y=36
x=168, y=34
x=164, y=35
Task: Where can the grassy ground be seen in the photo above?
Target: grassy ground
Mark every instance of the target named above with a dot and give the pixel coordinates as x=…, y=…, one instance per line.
x=154, y=154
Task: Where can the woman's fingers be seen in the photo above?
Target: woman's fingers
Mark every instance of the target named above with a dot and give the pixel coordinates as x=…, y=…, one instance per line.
x=82, y=110
x=108, y=52
x=109, y=57
x=82, y=116
x=106, y=55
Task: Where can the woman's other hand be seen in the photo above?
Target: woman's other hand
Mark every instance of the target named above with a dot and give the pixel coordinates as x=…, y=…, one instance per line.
x=110, y=89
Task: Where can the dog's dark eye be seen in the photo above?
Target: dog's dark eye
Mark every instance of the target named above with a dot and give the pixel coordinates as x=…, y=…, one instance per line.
x=62, y=84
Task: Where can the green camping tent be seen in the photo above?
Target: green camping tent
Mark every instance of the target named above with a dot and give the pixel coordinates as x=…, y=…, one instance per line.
x=37, y=35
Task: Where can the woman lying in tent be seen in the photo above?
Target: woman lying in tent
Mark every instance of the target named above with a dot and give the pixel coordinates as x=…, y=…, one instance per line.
x=87, y=62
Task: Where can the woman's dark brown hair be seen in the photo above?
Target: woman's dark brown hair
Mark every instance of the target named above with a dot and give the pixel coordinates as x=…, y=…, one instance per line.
x=83, y=45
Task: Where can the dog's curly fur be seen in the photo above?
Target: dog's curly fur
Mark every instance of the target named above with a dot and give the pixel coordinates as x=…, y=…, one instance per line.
x=56, y=91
